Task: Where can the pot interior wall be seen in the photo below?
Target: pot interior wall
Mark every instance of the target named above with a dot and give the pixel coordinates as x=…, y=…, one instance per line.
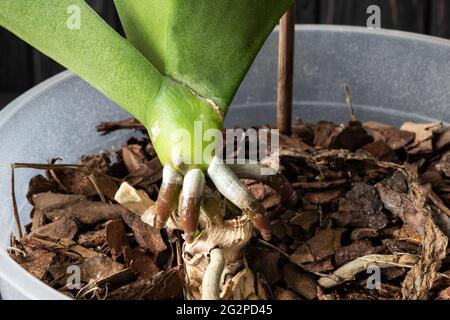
x=394, y=77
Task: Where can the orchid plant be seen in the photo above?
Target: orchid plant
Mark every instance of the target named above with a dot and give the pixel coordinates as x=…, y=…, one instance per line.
x=181, y=63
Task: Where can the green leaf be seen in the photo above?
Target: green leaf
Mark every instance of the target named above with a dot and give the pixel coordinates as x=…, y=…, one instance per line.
x=208, y=45
x=145, y=24
x=94, y=51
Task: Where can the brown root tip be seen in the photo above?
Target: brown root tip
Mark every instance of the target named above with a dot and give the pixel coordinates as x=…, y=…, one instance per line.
x=190, y=213
x=279, y=183
x=262, y=223
x=166, y=203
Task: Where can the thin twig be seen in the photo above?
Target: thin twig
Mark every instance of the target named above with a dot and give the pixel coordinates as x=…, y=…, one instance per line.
x=130, y=123
x=23, y=253
x=54, y=166
x=14, y=203
x=349, y=101
x=438, y=203
x=94, y=182
x=55, y=177
x=268, y=244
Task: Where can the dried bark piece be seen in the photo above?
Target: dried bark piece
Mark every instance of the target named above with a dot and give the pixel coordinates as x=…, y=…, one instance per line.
x=393, y=137
x=400, y=206
x=92, y=238
x=267, y=264
x=118, y=279
x=322, y=197
x=388, y=291
x=283, y=294
x=61, y=228
x=355, y=250
x=380, y=150
x=409, y=234
x=361, y=233
x=352, y=137
x=287, y=142
x=301, y=283
x=133, y=157
x=62, y=245
x=146, y=236
x=38, y=219
x=38, y=263
x=306, y=220
x=56, y=205
x=148, y=173
x=304, y=131
x=84, y=252
x=115, y=236
x=278, y=229
x=393, y=273
x=268, y=197
x=361, y=207
x=320, y=266
x=423, y=142
x=443, y=281
x=324, y=133
x=97, y=162
x=40, y=184
x=398, y=246
x=75, y=181
x=442, y=139
x=324, y=244
x=140, y=262
x=100, y=267
x=397, y=181
x=167, y=284
x=443, y=166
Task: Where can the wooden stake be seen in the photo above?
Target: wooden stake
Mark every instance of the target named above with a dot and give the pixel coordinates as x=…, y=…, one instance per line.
x=286, y=71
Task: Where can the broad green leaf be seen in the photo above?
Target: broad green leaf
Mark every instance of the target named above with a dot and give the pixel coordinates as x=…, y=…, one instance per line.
x=71, y=33
x=145, y=24
x=207, y=44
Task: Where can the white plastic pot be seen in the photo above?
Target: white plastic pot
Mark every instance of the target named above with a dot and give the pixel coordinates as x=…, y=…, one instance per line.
x=394, y=76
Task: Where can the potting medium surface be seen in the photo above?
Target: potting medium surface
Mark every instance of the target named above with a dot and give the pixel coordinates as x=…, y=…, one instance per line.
x=393, y=76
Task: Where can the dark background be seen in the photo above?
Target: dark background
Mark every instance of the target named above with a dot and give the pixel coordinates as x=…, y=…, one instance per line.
x=22, y=67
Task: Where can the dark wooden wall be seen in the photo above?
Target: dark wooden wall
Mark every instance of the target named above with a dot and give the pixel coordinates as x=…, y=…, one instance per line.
x=21, y=67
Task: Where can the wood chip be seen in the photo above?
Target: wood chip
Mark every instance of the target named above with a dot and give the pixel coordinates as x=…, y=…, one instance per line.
x=301, y=283
x=115, y=236
x=96, y=268
x=147, y=237
x=77, y=207
x=324, y=244
x=61, y=228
